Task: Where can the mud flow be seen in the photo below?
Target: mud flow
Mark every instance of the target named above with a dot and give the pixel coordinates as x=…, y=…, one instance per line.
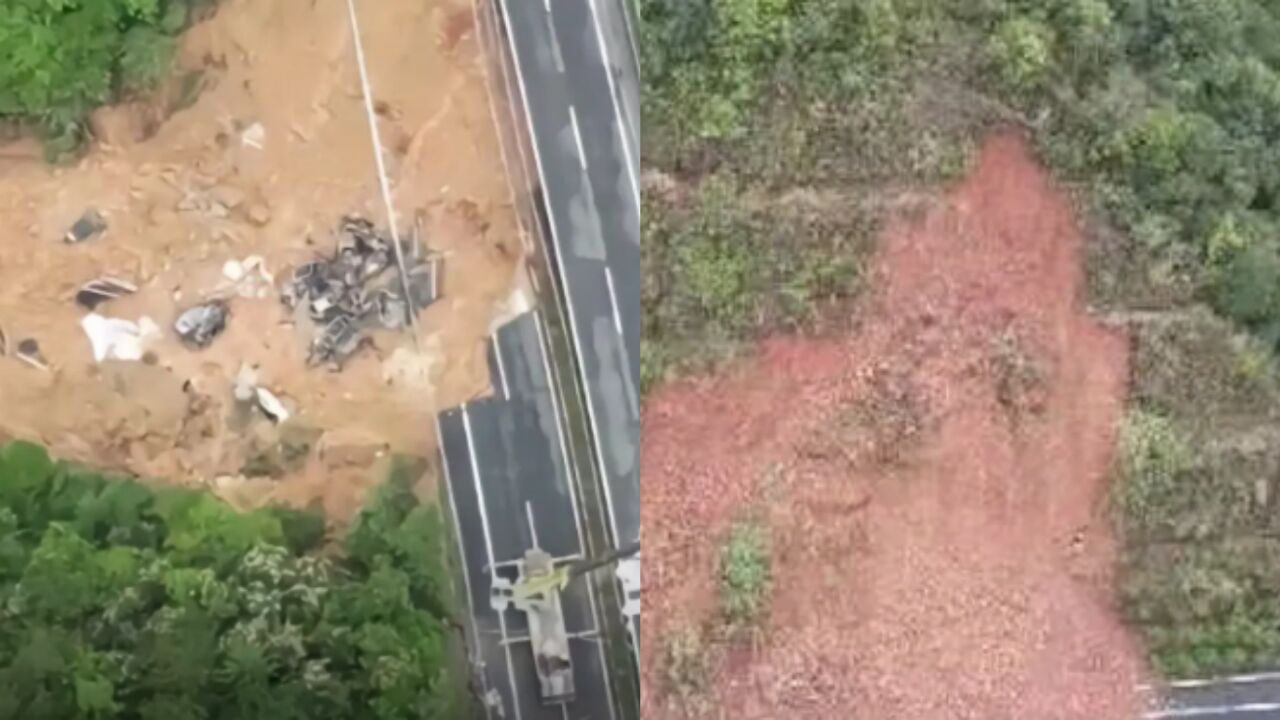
x=935, y=485
x=206, y=200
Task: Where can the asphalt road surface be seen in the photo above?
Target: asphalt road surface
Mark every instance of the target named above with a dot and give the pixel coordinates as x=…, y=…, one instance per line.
x=1240, y=697
x=576, y=73
x=509, y=490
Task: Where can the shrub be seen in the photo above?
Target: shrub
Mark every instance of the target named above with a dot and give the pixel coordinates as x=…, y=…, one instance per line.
x=1021, y=52
x=686, y=664
x=745, y=573
x=1153, y=454
x=717, y=275
x=146, y=58
x=1207, y=609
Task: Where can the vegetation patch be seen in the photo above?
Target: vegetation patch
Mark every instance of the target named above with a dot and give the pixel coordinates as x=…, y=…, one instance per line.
x=747, y=101
x=1207, y=608
x=64, y=58
x=882, y=426
x=1020, y=375
x=1156, y=462
x=1195, y=498
x=126, y=601
x=1166, y=114
x=746, y=572
x=717, y=273
x=686, y=666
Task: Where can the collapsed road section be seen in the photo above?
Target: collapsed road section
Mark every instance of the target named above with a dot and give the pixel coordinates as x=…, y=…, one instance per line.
x=578, y=93
x=509, y=494
x=542, y=475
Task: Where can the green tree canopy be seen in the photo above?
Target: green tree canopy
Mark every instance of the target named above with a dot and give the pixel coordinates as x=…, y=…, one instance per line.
x=119, y=601
x=63, y=58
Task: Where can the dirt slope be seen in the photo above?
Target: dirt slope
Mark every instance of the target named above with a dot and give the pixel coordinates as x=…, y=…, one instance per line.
x=935, y=484
x=193, y=194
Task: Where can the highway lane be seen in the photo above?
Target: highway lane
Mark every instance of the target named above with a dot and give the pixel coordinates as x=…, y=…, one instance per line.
x=486, y=627
x=1239, y=697
x=507, y=483
x=615, y=38
x=613, y=188
x=594, y=221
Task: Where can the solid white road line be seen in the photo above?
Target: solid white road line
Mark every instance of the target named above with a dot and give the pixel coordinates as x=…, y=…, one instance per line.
x=502, y=369
x=462, y=551
x=633, y=37
x=488, y=544
x=613, y=300
x=511, y=89
x=1195, y=712
x=624, y=124
x=577, y=137
x=1246, y=679
x=533, y=529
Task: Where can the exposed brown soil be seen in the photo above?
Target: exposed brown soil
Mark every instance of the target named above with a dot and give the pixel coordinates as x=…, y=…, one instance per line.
x=935, y=485
x=289, y=65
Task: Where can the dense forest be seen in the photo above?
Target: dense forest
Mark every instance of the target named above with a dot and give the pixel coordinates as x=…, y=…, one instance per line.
x=778, y=132
x=63, y=58
x=122, y=600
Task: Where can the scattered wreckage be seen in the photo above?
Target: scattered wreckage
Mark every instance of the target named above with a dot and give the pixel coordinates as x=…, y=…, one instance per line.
x=346, y=296
x=352, y=292
x=199, y=325
x=90, y=225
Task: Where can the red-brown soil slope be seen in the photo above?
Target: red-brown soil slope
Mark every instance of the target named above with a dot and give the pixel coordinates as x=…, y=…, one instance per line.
x=935, y=484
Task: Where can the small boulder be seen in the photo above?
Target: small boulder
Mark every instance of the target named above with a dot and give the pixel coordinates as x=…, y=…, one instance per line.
x=259, y=213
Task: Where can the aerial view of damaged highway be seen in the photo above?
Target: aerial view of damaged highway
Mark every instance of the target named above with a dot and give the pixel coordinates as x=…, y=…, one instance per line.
x=319, y=359
x=329, y=329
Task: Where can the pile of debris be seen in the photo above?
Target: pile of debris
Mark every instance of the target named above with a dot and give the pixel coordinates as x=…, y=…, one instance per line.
x=358, y=290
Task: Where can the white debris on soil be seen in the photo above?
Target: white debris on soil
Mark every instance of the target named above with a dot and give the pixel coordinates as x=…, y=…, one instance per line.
x=271, y=405
x=254, y=136
x=517, y=303
x=246, y=383
x=116, y=339
x=247, y=390
x=248, y=278
x=233, y=270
